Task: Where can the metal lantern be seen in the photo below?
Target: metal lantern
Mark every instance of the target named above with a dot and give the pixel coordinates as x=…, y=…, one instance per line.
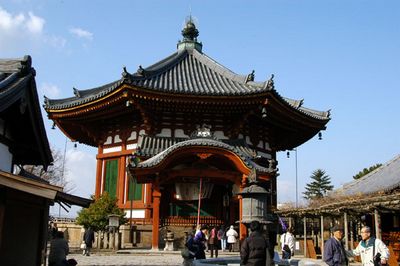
x=254, y=204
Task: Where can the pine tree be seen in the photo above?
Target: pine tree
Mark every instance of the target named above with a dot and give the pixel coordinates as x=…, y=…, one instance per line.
x=320, y=185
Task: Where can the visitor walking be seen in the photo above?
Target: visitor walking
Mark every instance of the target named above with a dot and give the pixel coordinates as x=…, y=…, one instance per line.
x=231, y=236
x=222, y=237
x=287, y=244
x=88, y=237
x=213, y=242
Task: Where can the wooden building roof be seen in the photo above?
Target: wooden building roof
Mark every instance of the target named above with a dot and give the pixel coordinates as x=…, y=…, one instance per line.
x=379, y=189
x=187, y=82
x=20, y=111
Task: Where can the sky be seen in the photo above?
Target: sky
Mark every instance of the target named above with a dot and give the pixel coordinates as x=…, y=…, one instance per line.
x=339, y=55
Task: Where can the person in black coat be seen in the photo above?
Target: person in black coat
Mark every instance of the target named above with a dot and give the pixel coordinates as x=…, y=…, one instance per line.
x=88, y=237
x=254, y=250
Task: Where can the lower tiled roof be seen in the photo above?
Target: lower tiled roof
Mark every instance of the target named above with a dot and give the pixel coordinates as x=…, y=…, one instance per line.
x=159, y=157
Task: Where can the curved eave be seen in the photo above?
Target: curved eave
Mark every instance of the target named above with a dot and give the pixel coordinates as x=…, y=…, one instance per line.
x=296, y=106
x=159, y=160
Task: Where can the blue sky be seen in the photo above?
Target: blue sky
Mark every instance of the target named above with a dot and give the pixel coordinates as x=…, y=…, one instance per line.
x=339, y=55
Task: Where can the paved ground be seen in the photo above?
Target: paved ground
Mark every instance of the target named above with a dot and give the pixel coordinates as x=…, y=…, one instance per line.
x=136, y=258
x=149, y=258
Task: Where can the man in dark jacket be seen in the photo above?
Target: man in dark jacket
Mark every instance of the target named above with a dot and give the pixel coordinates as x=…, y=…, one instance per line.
x=334, y=253
x=255, y=248
x=88, y=237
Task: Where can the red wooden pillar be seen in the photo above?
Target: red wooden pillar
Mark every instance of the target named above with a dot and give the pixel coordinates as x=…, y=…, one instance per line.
x=99, y=172
x=156, y=216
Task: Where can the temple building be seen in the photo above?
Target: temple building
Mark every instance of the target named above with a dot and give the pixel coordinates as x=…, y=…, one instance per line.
x=178, y=140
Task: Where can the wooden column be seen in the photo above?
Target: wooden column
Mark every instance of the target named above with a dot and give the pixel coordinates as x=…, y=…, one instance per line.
x=242, y=227
x=305, y=236
x=322, y=236
x=346, y=231
x=99, y=172
x=156, y=216
x=351, y=236
x=377, y=218
x=121, y=181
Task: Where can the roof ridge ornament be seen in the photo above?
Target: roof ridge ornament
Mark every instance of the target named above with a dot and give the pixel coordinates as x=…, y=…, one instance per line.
x=203, y=131
x=250, y=77
x=125, y=74
x=76, y=92
x=270, y=83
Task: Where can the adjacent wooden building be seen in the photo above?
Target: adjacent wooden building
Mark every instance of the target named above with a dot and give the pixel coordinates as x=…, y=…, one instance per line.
x=24, y=198
x=181, y=122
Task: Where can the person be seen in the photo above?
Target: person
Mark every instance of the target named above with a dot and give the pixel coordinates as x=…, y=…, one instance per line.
x=199, y=243
x=88, y=238
x=213, y=242
x=222, y=237
x=59, y=250
x=254, y=250
x=53, y=230
x=287, y=244
x=334, y=253
x=371, y=249
x=231, y=235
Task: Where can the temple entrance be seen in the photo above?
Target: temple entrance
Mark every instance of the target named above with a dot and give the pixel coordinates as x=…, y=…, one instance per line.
x=180, y=200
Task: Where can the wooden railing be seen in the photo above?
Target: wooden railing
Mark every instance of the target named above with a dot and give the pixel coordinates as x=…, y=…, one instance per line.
x=190, y=220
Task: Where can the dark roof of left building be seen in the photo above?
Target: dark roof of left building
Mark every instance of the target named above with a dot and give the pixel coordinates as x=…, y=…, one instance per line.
x=20, y=111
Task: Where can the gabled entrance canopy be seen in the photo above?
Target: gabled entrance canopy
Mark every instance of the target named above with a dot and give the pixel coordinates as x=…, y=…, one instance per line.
x=199, y=157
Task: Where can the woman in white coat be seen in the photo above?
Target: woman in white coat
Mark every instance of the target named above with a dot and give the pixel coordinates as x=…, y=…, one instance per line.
x=231, y=236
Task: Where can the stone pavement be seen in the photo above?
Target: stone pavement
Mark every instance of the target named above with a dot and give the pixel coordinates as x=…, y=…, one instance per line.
x=156, y=258
x=136, y=257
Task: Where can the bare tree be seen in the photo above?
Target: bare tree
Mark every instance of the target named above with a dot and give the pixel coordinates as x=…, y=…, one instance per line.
x=56, y=172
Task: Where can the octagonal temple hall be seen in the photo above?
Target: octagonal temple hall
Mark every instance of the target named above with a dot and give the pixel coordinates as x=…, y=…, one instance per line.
x=178, y=139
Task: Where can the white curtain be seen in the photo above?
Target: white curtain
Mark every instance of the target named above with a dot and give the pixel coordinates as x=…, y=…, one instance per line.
x=190, y=191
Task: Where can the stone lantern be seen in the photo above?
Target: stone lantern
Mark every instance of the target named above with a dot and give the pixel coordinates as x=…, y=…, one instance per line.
x=254, y=201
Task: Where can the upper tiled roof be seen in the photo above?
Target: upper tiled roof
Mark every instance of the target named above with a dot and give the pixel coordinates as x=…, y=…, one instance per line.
x=18, y=89
x=188, y=71
x=382, y=179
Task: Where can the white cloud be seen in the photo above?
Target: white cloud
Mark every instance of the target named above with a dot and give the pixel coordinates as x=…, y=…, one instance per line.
x=50, y=90
x=81, y=171
x=24, y=32
x=35, y=24
x=81, y=33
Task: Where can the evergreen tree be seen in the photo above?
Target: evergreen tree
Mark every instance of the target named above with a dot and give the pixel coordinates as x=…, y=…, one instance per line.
x=366, y=171
x=96, y=216
x=320, y=185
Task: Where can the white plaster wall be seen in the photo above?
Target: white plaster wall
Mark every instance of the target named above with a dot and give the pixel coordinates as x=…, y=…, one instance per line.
x=220, y=134
x=133, y=136
x=109, y=140
x=165, y=132
x=179, y=133
x=135, y=214
x=112, y=149
x=5, y=158
x=132, y=146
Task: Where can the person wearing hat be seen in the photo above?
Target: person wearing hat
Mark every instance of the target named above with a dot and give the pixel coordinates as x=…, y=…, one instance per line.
x=334, y=252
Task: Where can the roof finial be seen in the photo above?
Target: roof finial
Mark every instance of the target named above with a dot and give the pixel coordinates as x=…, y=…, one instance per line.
x=190, y=34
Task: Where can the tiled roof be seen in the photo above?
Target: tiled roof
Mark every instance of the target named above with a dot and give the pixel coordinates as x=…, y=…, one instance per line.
x=382, y=179
x=18, y=87
x=185, y=72
x=151, y=145
x=158, y=158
